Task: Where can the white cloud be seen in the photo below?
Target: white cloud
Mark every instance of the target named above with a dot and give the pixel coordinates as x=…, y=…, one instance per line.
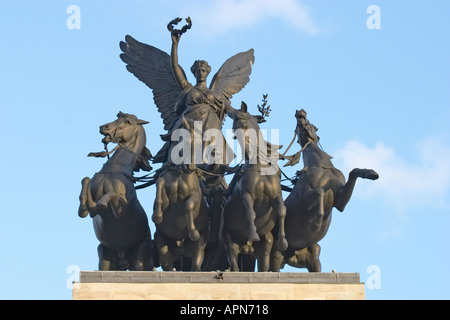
x=220, y=16
x=404, y=183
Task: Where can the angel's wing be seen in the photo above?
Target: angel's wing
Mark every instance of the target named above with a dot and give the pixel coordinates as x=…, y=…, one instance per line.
x=152, y=66
x=233, y=75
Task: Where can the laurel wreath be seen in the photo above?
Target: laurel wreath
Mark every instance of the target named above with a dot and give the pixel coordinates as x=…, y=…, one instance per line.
x=174, y=22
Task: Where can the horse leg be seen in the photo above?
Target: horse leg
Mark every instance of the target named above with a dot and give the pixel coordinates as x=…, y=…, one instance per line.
x=248, y=203
x=343, y=195
x=232, y=252
x=141, y=257
x=191, y=204
x=262, y=252
x=118, y=200
x=108, y=259
x=109, y=196
x=310, y=199
x=276, y=261
x=313, y=263
x=87, y=203
x=157, y=216
x=105, y=200
x=198, y=253
x=280, y=209
x=165, y=256
x=317, y=223
x=216, y=214
x=83, y=209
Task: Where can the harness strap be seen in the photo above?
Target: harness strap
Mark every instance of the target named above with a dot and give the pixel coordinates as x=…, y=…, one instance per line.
x=290, y=145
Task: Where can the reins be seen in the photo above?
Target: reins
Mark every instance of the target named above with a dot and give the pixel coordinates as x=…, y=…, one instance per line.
x=290, y=145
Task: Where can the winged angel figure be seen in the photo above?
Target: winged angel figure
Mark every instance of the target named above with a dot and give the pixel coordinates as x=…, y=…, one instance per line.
x=175, y=97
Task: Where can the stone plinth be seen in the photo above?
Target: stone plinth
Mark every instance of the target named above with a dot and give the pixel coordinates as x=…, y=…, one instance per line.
x=127, y=285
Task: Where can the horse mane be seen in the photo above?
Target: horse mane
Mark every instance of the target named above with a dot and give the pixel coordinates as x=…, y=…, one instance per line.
x=143, y=160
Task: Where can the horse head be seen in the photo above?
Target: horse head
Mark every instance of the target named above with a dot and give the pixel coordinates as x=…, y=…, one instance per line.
x=122, y=130
x=127, y=131
x=244, y=120
x=306, y=131
x=247, y=131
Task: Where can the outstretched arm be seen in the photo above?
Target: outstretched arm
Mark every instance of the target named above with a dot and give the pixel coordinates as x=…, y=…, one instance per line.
x=229, y=110
x=177, y=71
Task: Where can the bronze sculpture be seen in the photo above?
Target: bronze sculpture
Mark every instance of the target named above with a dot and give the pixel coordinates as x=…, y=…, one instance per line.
x=319, y=188
x=120, y=222
x=201, y=222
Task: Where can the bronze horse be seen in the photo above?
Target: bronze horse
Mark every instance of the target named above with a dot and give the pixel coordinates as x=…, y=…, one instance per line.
x=255, y=201
x=319, y=188
x=120, y=222
x=180, y=211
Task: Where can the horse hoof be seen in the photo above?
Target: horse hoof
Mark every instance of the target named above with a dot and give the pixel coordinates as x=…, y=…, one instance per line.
x=83, y=211
x=372, y=175
x=282, y=245
x=366, y=174
x=194, y=235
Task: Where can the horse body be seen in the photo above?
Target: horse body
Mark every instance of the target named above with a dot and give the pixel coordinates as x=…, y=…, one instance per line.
x=181, y=204
x=262, y=189
x=306, y=197
x=120, y=222
x=115, y=230
x=319, y=188
x=254, y=204
x=180, y=213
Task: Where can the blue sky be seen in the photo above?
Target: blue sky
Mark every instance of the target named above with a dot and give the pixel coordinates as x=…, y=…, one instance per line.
x=380, y=98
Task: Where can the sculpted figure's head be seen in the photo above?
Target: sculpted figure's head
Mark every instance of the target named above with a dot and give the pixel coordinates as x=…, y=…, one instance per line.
x=201, y=70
